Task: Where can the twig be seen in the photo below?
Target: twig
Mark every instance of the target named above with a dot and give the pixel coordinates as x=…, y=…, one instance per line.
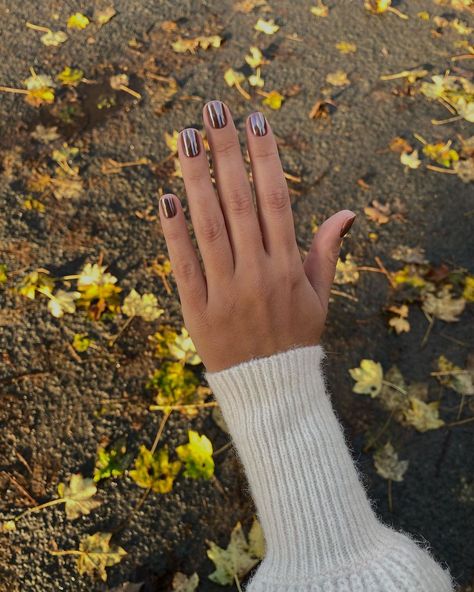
x=237, y=583
x=344, y=295
x=431, y=167
x=130, y=91
x=222, y=448
x=390, y=503
x=384, y=270
x=395, y=386
x=243, y=92
x=159, y=433
x=21, y=489
x=431, y=321
x=461, y=422
x=124, y=326
x=37, y=28
x=180, y=407
x=461, y=406
x=115, y=167
x=381, y=431
x=20, y=91
x=443, y=121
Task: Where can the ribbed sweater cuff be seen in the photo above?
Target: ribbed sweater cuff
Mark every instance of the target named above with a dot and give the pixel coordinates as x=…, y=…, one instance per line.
x=316, y=517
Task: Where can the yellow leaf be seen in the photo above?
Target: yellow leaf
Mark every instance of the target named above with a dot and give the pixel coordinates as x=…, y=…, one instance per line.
x=346, y=47
x=410, y=160
x=77, y=21
x=377, y=6
x=145, y=306
x=400, y=325
x=443, y=306
x=267, y=27
x=9, y=526
x=183, y=583
x=468, y=292
x=155, y=471
x=425, y=16
x=409, y=275
x=368, y=377
x=239, y=558
x=62, y=302
x=97, y=554
x=232, y=77
x=70, y=76
x=338, y=78
x=321, y=10
x=197, y=456
x=274, y=100
x=441, y=153
x=346, y=271
x=182, y=348
x=423, y=416
x=38, y=96
x=172, y=141
x=454, y=377
x=255, y=58
x=103, y=16
x=191, y=45
x=256, y=79
x=53, y=38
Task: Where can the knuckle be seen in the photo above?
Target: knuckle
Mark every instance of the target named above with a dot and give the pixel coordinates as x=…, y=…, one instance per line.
x=239, y=201
x=277, y=199
x=185, y=270
x=213, y=229
x=226, y=147
x=264, y=154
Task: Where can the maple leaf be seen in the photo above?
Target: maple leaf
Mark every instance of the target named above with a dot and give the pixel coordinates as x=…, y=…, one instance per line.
x=191, y=45
x=423, y=416
x=239, y=557
x=454, y=377
x=155, y=471
x=441, y=153
x=145, y=306
x=77, y=496
x=409, y=275
x=268, y=27
x=53, y=38
x=377, y=212
x=233, y=78
x=70, y=76
x=399, y=322
x=399, y=145
x=346, y=47
x=183, y=583
x=410, y=160
x=175, y=385
x=443, y=306
x=368, y=377
x=81, y=342
x=394, y=393
x=338, y=78
x=255, y=59
x=182, y=348
x=197, y=456
x=77, y=21
x=104, y=15
x=346, y=271
x=274, y=100
x=172, y=141
x=36, y=281
x=388, y=465
x=95, y=274
x=320, y=10
x=45, y=135
x=97, y=554
x=111, y=462
x=62, y=302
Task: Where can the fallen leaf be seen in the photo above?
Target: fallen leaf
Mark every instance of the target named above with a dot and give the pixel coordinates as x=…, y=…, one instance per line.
x=255, y=58
x=346, y=271
x=77, y=21
x=268, y=27
x=104, y=15
x=368, y=377
x=183, y=583
x=388, y=465
x=394, y=393
x=53, y=38
x=338, y=78
x=78, y=496
x=410, y=254
x=443, y=306
x=191, y=45
x=423, y=416
x=233, y=78
x=320, y=10
x=468, y=292
x=197, y=456
x=399, y=322
x=346, y=47
x=377, y=212
x=70, y=76
x=399, y=145
x=274, y=100
x=441, y=153
x=240, y=556
x=455, y=378
x=183, y=349
x=44, y=134
x=155, y=471
x=81, y=342
x=256, y=80
x=410, y=160
x=145, y=306
x=377, y=6
x=62, y=302
x=97, y=554
x=247, y=6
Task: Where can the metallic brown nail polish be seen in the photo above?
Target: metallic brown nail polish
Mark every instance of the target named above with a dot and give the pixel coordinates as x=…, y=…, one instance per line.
x=169, y=207
x=190, y=142
x=347, y=226
x=215, y=110
x=258, y=124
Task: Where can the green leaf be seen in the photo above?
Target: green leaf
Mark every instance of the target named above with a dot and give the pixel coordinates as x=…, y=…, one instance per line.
x=113, y=461
x=155, y=471
x=197, y=456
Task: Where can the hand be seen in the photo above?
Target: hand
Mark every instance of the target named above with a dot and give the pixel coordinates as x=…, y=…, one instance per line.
x=256, y=296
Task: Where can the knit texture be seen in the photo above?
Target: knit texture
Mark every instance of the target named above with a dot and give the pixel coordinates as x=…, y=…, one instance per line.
x=321, y=532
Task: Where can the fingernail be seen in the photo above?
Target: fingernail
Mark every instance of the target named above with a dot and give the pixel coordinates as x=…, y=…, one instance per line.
x=216, y=113
x=347, y=226
x=190, y=142
x=258, y=124
x=168, y=205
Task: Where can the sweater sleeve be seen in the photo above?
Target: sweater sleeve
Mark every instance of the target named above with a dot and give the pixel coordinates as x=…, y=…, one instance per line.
x=321, y=532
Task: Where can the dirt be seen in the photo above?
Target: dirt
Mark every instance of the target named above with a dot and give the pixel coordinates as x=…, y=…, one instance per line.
x=55, y=407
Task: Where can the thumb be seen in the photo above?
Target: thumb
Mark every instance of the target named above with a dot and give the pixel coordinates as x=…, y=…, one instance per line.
x=320, y=262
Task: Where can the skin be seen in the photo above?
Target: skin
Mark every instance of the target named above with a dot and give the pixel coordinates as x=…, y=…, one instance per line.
x=255, y=296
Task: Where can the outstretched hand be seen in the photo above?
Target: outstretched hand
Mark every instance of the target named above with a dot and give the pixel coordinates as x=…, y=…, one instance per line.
x=255, y=296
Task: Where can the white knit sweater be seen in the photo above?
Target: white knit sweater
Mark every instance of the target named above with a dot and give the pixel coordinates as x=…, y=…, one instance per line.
x=321, y=532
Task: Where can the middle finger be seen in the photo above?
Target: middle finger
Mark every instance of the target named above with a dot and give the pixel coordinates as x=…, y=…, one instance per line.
x=232, y=182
